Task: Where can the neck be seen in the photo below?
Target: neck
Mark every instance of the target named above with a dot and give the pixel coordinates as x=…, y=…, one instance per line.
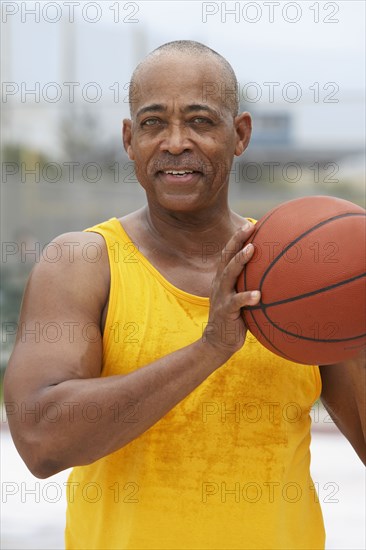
x=192, y=234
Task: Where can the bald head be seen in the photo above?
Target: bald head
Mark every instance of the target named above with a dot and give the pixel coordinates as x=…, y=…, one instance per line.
x=225, y=81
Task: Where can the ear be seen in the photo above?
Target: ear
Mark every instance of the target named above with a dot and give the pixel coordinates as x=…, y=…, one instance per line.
x=243, y=127
x=127, y=138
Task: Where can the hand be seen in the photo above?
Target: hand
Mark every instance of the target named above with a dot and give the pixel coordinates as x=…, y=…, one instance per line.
x=225, y=329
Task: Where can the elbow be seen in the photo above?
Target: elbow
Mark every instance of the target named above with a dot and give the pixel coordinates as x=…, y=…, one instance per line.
x=360, y=448
x=39, y=460
x=43, y=468
x=43, y=462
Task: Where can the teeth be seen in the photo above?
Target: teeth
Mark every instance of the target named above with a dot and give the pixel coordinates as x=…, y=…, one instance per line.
x=178, y=172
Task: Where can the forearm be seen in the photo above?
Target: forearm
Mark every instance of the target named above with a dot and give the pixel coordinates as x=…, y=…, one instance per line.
x=357, y=369
x=343, y=395
x=81, y=420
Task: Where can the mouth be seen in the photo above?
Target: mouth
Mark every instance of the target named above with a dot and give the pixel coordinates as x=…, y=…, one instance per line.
x=179, y=173
x=182, y=176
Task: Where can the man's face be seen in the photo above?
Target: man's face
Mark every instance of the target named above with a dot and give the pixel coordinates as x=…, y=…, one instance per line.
x=183, y=136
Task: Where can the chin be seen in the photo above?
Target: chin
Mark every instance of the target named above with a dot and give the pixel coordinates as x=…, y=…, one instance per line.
x=179, y=203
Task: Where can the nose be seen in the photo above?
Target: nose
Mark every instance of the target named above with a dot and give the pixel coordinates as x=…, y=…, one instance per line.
x=176, y=139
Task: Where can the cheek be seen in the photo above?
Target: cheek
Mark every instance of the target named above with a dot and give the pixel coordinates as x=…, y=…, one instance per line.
x=225, y=140
x=137, y=154
x=224, y=148
x=141, y=166
x=142, y=148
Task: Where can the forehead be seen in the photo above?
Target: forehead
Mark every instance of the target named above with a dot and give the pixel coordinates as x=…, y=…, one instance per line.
x=180, y=79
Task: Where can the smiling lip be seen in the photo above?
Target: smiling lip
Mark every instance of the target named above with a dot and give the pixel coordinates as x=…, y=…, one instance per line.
x=184, y=175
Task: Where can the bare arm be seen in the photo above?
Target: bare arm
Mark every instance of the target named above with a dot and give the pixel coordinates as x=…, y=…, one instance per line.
x=52, y=377
x=344, y=397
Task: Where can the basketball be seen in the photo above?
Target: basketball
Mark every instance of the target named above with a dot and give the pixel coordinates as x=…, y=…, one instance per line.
x=309, y=264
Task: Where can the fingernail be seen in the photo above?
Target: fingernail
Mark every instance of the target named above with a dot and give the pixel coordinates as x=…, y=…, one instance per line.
x=255, y=294
x=248, y=248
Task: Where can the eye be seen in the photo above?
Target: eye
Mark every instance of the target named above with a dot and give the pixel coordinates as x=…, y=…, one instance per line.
x=201, y=120
x=150, y=122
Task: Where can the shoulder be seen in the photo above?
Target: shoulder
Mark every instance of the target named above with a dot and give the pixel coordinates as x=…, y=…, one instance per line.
x=85, y=247
x=76, y=250
x=75, y=264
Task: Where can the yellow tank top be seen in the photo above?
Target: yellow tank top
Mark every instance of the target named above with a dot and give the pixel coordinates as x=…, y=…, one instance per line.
x=228, y=467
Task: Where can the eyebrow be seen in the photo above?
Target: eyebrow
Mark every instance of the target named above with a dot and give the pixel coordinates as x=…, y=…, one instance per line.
x=158, y=108
x=155, y=108
x=199, y=107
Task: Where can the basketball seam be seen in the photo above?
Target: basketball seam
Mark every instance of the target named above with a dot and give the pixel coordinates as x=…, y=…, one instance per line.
x=309, y=339
x=263, y=306
x=282, y=353
x=307, y=232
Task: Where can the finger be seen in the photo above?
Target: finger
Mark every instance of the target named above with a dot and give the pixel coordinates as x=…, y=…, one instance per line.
x=241, y=300
x=235, y=244
x=247, y=298
x=235, y=267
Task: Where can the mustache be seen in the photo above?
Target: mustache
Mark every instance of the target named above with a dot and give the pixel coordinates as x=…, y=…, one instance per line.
x=183, y=162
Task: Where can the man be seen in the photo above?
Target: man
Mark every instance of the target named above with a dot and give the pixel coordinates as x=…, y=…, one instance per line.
x=172, y=415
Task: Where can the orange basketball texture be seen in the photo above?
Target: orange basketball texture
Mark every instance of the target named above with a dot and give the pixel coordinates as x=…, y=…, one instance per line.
x=309, y=264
